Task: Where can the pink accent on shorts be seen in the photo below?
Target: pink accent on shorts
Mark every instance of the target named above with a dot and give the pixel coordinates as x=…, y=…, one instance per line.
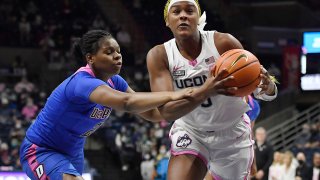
x=86, y=69
x=216, y=177
x=197, y=154
x=193, y=62
x=33, y=163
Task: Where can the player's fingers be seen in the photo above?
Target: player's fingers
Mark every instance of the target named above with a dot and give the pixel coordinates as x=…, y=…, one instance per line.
x=265, y=79
x=227, y=80
x=212, y=71
x=227, y=91
x=222, y=74
x=263, y=87
x=264, y=71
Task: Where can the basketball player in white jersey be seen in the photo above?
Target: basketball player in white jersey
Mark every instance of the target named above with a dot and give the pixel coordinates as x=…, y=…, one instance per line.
x=211, y=131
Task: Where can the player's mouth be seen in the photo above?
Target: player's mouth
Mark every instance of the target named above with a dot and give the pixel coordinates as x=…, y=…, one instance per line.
x=118, y=64
x=183, y=25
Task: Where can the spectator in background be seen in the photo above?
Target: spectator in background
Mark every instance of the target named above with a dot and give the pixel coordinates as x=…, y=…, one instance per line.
x=98, y=23
x=124, y=38
x=315, y=136
x=162, y=167
x=5, y=158
x=277, y=167
x=29, y=111
x=47, y=44
x=24, y=29
x=24, y=85
x=290, y=166
x=303, y=170
x=316, y=166
x=302, y=141
x=19, y=67
x=147, y=167
x=264, y=154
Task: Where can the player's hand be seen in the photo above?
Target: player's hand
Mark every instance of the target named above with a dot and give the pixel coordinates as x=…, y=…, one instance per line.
x=259, y=174
x=217, y=85
x=184, y=93
x=267, y=86
x=253, y=170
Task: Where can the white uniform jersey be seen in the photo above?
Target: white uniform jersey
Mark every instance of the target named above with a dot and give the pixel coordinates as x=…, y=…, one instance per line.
x=217, y=112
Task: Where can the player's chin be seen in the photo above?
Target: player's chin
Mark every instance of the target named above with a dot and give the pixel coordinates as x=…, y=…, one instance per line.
x=115, y=70
x=183, y=33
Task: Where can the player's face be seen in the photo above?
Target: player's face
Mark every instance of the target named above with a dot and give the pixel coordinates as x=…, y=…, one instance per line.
x=108, y=59
x=183, y=19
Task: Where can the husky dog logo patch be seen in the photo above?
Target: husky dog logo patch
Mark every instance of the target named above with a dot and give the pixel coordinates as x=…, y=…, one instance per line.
x=183, y=141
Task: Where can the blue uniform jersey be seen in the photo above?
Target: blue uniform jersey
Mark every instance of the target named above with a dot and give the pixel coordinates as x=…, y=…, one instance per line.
x=255, y=109
x=69, y=116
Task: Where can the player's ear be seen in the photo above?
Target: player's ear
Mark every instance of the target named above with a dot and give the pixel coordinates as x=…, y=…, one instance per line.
x=89, y=58
x=167, y=23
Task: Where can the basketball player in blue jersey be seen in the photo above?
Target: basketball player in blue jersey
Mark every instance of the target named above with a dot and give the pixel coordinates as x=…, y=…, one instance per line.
x=53, y=146
x=255, y=110
x=212, y=131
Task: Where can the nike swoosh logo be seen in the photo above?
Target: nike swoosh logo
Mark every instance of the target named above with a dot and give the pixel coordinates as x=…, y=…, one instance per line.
x=241, y=56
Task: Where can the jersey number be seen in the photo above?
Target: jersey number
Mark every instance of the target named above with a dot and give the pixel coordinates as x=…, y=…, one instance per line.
x=39, y=171
x=207, y=103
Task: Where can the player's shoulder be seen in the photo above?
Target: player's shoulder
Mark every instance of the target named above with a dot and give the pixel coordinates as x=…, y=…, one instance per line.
x=225, y=42
x=157, y=54
x=158, y=50
x=224, y=38
x=117, y=77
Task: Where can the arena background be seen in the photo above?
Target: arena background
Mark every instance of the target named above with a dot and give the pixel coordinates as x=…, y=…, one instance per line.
x=35, y=44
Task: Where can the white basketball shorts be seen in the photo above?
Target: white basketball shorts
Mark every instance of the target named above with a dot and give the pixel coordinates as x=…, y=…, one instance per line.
x=228, y=153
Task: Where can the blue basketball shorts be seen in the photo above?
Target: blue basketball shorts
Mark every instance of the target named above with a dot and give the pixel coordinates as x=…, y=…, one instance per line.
x=41, y=163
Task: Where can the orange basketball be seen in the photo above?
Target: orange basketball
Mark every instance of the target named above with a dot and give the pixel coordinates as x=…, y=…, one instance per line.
x=244, y=66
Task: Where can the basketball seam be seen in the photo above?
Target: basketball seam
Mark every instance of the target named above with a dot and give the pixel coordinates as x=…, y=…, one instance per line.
x=249, y=83
x=243, y=67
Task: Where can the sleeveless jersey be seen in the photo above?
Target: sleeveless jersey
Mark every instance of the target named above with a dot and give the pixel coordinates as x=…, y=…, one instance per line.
x=68, y=116
x=217, y=112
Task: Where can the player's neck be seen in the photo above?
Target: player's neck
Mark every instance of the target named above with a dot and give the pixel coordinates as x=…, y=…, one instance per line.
x=190, y=47
x=101, y=75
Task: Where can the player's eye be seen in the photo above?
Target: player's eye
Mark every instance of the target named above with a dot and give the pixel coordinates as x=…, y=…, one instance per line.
x=190, y=10
x=108, y=52
x=176, y=11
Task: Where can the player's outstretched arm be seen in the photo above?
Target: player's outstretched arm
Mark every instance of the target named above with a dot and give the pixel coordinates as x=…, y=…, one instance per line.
x=134, y=102
x=160, y=80
x=152, y=115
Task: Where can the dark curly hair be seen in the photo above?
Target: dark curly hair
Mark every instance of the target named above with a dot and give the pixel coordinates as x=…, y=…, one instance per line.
x=89, y=43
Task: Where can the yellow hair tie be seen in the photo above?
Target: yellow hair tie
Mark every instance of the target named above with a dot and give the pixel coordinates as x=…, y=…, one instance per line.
x=274, y=79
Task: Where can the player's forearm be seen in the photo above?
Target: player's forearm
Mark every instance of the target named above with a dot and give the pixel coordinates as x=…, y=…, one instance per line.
x=152, y=115
x=176, y=109
x=137, y=102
